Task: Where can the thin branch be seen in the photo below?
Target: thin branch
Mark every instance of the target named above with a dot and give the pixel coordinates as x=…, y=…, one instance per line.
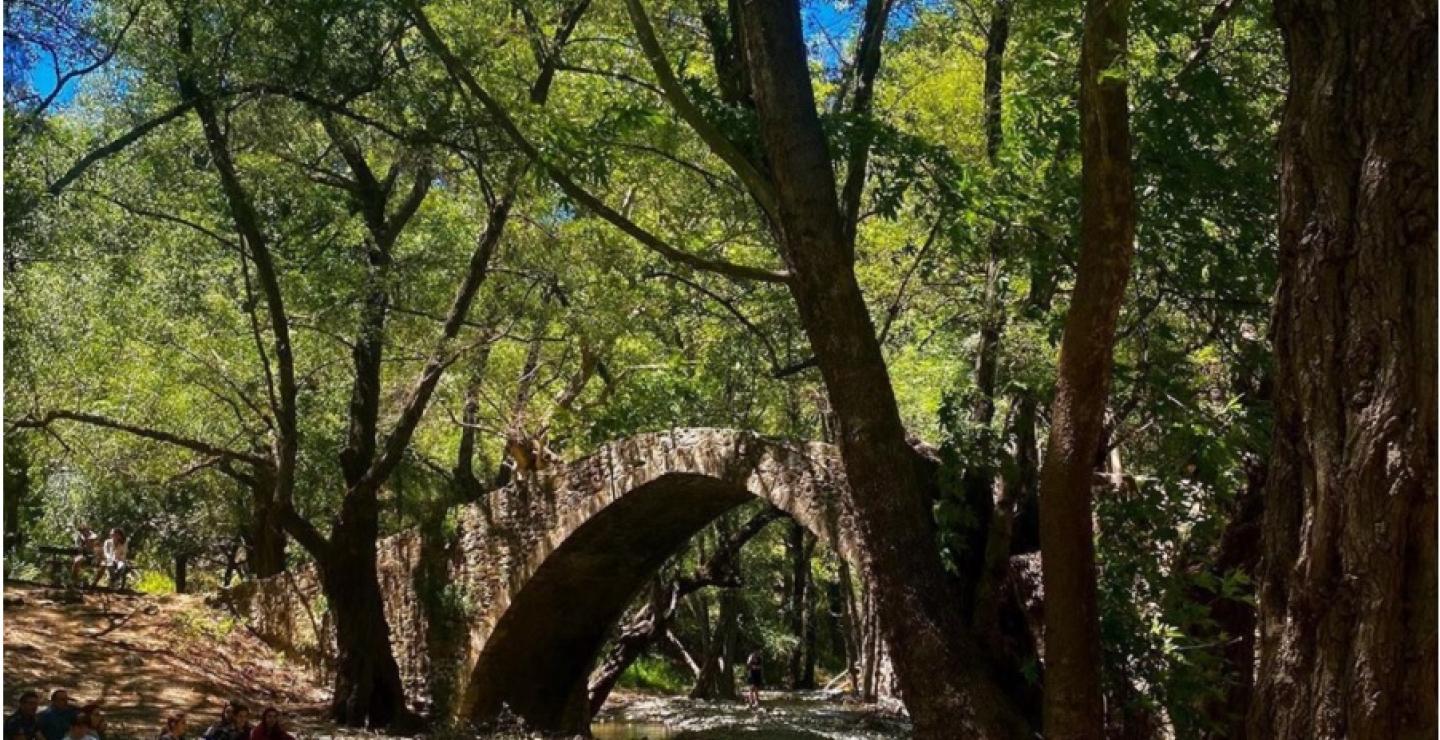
x=159, y=216
x=867, y=65
x=895, y=305
x=33, y=116
x=769, y=346
x=424, y=385
x=756, y=181
x=157, y=435
x=1206, y=42
x=117, y=145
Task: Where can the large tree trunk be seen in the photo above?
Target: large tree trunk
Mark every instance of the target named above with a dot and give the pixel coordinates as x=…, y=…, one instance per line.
x=1073, y=704
x=717, y=672
x=945, y=675
x=368, y=690
x=265, y=539
x=1347, y=589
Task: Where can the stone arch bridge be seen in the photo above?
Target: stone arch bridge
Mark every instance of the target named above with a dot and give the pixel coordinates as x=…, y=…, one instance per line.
x=510, y=600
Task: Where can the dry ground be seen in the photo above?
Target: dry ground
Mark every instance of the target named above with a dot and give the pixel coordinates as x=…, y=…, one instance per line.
x=142, y=657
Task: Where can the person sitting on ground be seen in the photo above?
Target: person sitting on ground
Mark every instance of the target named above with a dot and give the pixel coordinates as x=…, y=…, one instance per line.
x=55, y=719
x=88, y=557
x=81, y=728
x=22, y=725
x=97, y=719
x=116, y=557
x=240, y=722
x=233, y=725
x=270, y=727
x=216, y=729
x=174, y=727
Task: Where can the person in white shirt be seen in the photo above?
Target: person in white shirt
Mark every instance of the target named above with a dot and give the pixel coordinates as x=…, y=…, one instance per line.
x=117, y=554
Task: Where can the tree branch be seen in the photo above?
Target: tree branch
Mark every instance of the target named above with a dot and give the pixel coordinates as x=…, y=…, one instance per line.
x=248, y=225
x=467, y=82
x=116, y=145
x=756, y=181
x=867, y=65
x=769, y=346
x=1208, y=31
x=158, y=435
x=32, y=117
x=419, y=396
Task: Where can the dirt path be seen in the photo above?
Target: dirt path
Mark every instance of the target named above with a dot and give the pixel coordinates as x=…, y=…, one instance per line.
x=143, y=657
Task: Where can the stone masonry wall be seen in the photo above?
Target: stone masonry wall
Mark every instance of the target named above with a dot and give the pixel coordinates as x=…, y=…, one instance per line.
x=443, y=607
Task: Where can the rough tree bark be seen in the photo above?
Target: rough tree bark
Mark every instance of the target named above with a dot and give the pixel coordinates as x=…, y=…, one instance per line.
x=265, y=538
x=367, y=678
x=1347, y=587
x=1073, y=707
x=944, y=674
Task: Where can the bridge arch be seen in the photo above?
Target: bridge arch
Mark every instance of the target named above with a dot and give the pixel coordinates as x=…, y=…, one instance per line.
x=534, y=576
x=611, y=520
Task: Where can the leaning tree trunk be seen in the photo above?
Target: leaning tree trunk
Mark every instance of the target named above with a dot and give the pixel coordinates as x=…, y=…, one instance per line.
x=1073, y=706
x=1347, y=589
x=945, y=674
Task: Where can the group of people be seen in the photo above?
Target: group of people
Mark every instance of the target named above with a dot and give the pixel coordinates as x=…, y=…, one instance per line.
x=62, y=720
x=109, y=556
x=234, y=724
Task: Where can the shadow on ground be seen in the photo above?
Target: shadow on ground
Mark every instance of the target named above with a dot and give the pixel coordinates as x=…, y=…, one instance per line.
x=143, y=657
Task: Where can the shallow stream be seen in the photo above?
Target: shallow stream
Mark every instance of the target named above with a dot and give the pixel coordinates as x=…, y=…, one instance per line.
x=782, y=716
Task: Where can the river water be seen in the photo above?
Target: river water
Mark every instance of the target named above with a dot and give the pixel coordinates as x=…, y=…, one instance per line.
x=782, y=716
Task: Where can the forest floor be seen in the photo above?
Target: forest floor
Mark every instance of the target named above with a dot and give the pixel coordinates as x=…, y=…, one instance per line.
x=143, y=657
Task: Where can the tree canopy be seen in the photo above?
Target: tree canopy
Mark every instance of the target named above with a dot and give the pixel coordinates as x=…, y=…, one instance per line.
x=313, y=271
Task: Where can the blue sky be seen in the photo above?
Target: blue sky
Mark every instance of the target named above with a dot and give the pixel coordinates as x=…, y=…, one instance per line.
x=829, y=26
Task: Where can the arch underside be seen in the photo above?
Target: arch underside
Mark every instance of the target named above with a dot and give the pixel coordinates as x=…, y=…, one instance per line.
x=538, y=658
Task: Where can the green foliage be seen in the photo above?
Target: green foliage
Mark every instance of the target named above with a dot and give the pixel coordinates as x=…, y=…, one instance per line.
x=154, y=582
x=655, y=674
x=130, y=296
x=205, y=624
